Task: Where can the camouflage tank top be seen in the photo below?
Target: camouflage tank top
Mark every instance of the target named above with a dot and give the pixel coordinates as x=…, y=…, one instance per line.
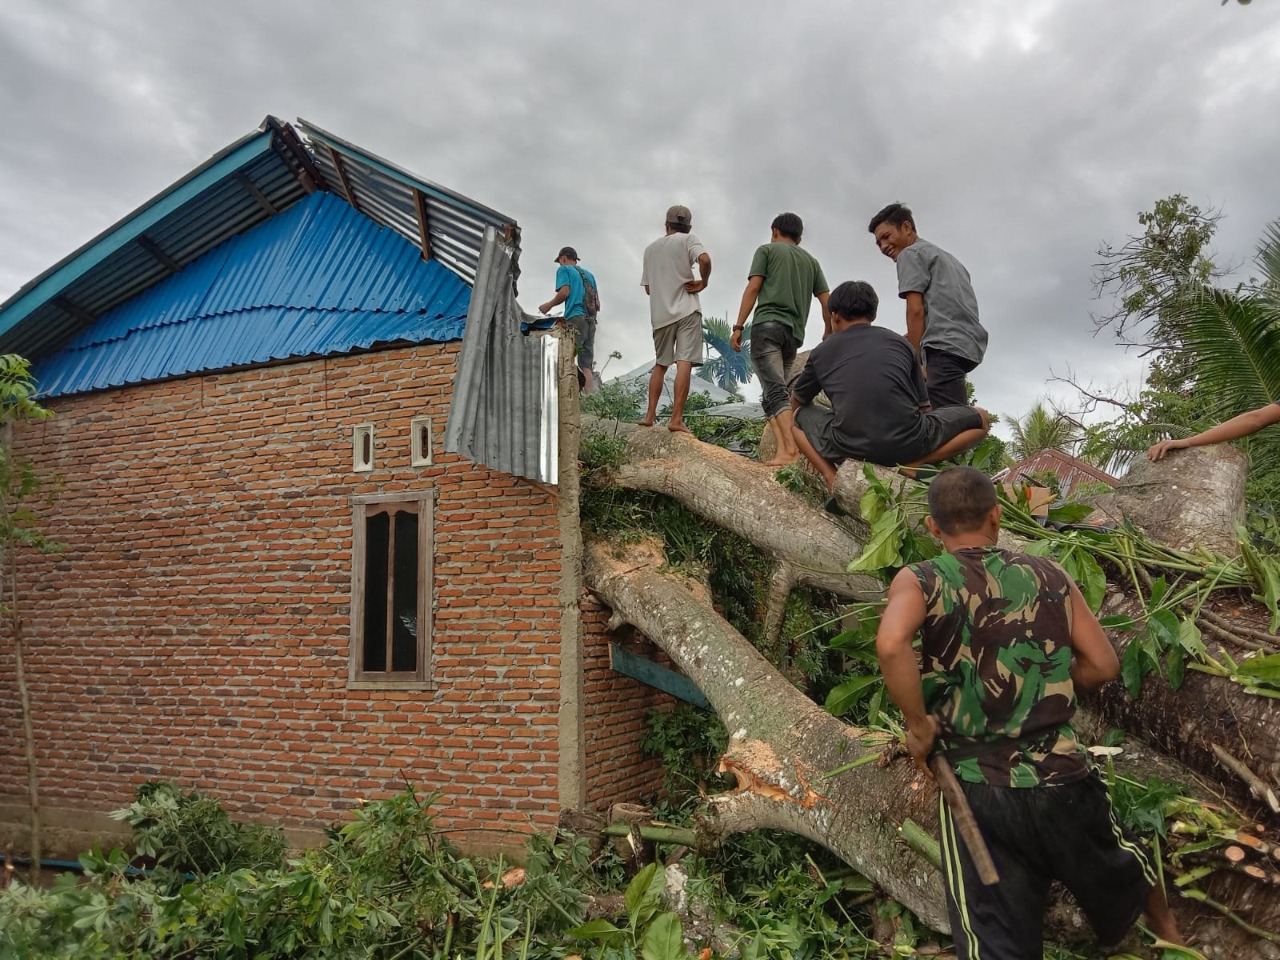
x=996, y=651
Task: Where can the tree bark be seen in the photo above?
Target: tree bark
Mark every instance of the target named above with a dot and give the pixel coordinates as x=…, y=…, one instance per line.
x=780, y=742
x=1192, y=498
x=810, y=547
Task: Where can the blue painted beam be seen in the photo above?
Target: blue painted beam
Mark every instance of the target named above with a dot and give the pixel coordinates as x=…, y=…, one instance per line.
x=60, y=276
x=657, y=676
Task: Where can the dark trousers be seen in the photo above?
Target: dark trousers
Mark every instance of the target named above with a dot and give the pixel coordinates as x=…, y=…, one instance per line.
x=773, y=352
x=945, y=377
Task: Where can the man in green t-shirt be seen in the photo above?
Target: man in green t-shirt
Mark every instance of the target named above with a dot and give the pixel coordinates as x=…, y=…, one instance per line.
x=782, y=280
x=1006, y=640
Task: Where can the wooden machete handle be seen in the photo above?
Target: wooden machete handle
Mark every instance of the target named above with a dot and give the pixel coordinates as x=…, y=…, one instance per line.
x=963, y=817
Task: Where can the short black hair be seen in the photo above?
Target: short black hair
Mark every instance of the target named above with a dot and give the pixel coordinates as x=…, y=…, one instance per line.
x=895, y=214
x=854, y=300
x=679, y=227
x=789, y=225
x=960, y=499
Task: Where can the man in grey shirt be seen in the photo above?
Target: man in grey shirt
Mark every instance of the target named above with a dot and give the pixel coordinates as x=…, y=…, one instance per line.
x=942, y=311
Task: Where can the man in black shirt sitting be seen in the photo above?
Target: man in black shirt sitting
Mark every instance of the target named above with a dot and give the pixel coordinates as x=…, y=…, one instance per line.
x=879, y=405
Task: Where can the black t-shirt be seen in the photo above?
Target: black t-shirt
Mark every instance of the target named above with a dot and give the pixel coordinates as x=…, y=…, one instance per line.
x=876, y=388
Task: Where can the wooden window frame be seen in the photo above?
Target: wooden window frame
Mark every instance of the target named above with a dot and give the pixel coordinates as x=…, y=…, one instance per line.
x=421, y=678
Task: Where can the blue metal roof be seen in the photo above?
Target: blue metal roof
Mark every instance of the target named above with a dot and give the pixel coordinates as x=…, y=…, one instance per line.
x=251, y=181
x=317, y=279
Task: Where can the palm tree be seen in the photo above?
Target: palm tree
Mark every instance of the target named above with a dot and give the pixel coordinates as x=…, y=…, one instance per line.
x=1228, y=342
x=1040, y=430
x=728, y=369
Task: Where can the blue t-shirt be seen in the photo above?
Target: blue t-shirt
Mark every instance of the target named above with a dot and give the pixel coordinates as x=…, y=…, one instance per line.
x=568, y=275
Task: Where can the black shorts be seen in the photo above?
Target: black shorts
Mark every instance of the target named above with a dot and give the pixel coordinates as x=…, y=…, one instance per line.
x=945, y=381
x=936, y=428
x=818, y=423
x=1037, y=835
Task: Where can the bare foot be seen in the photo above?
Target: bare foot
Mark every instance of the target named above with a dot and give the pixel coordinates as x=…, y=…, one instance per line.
x=646, y=422
x=677, y=426
x=783, y=461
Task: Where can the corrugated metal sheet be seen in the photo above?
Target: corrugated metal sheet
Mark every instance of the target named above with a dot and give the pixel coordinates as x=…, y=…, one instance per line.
x=240, y=187
x=382, y=191
x=190, y=218
x=318, y=279
x=505, y=411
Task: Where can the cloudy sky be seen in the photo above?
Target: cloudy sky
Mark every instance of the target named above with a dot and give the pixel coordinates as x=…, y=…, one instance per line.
x=1022, y=133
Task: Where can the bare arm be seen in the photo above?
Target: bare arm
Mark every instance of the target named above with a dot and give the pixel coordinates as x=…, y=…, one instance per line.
x=749, y=296
x=823, y=297
x=1095, y=661
x=561, y=296
x=1225, y=432
x=902, y=618
x=704, y=269
x=915, y=320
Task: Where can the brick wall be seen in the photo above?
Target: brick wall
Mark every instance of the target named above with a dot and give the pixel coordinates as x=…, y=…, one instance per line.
x=197, y=627
x=615, y=710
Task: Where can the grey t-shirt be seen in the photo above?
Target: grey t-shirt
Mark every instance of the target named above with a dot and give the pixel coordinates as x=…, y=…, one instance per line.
x=950, y=307
x=873, y=380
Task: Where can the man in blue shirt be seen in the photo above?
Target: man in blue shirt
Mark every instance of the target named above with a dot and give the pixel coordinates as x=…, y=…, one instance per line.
x=580, y=307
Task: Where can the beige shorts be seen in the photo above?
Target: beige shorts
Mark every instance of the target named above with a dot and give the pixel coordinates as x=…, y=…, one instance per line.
x=680, y=342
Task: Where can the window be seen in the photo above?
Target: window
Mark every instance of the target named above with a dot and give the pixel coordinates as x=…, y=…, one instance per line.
x=362, y=448
x=420, y=442
x=391, y=550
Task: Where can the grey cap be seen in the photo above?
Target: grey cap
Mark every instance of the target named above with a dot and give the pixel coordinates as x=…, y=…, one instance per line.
x=680, y=215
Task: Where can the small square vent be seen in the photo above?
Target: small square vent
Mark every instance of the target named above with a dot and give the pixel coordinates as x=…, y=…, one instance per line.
x=420, y=442
x=362, y=448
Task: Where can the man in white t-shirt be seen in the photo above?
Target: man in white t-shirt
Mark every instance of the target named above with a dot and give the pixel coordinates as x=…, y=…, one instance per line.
x=675, y=310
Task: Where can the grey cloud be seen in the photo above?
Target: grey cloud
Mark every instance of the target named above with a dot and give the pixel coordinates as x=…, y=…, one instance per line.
x=1022, y=134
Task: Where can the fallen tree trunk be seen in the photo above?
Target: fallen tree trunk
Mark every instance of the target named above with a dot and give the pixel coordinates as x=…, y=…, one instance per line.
x=810, y=547
x=780, y=742
x=813, y=548
x=782, y=746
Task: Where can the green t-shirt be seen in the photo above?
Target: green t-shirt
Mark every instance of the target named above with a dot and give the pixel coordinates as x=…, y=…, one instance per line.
x=792, y=278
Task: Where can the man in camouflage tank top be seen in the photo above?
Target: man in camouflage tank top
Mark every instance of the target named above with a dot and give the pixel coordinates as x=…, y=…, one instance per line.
x=1006, y=639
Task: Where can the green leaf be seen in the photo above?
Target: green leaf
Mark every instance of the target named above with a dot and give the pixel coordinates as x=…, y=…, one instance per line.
x=1163, y=629
x=1093, y=582
x=1159, y=586
x=1131, y=668
x=1189, y=638
x=1113, y=737
x=1039, y=548
x=871, y=506
x=1261, y=668
x=643, y=893
x=1070, y=512
x=663, y=938
x=843, y=698
x=883, y=548
x=597, y=929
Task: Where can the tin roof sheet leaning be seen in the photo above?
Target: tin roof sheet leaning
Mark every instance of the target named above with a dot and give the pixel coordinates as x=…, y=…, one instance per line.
x=505, y=408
